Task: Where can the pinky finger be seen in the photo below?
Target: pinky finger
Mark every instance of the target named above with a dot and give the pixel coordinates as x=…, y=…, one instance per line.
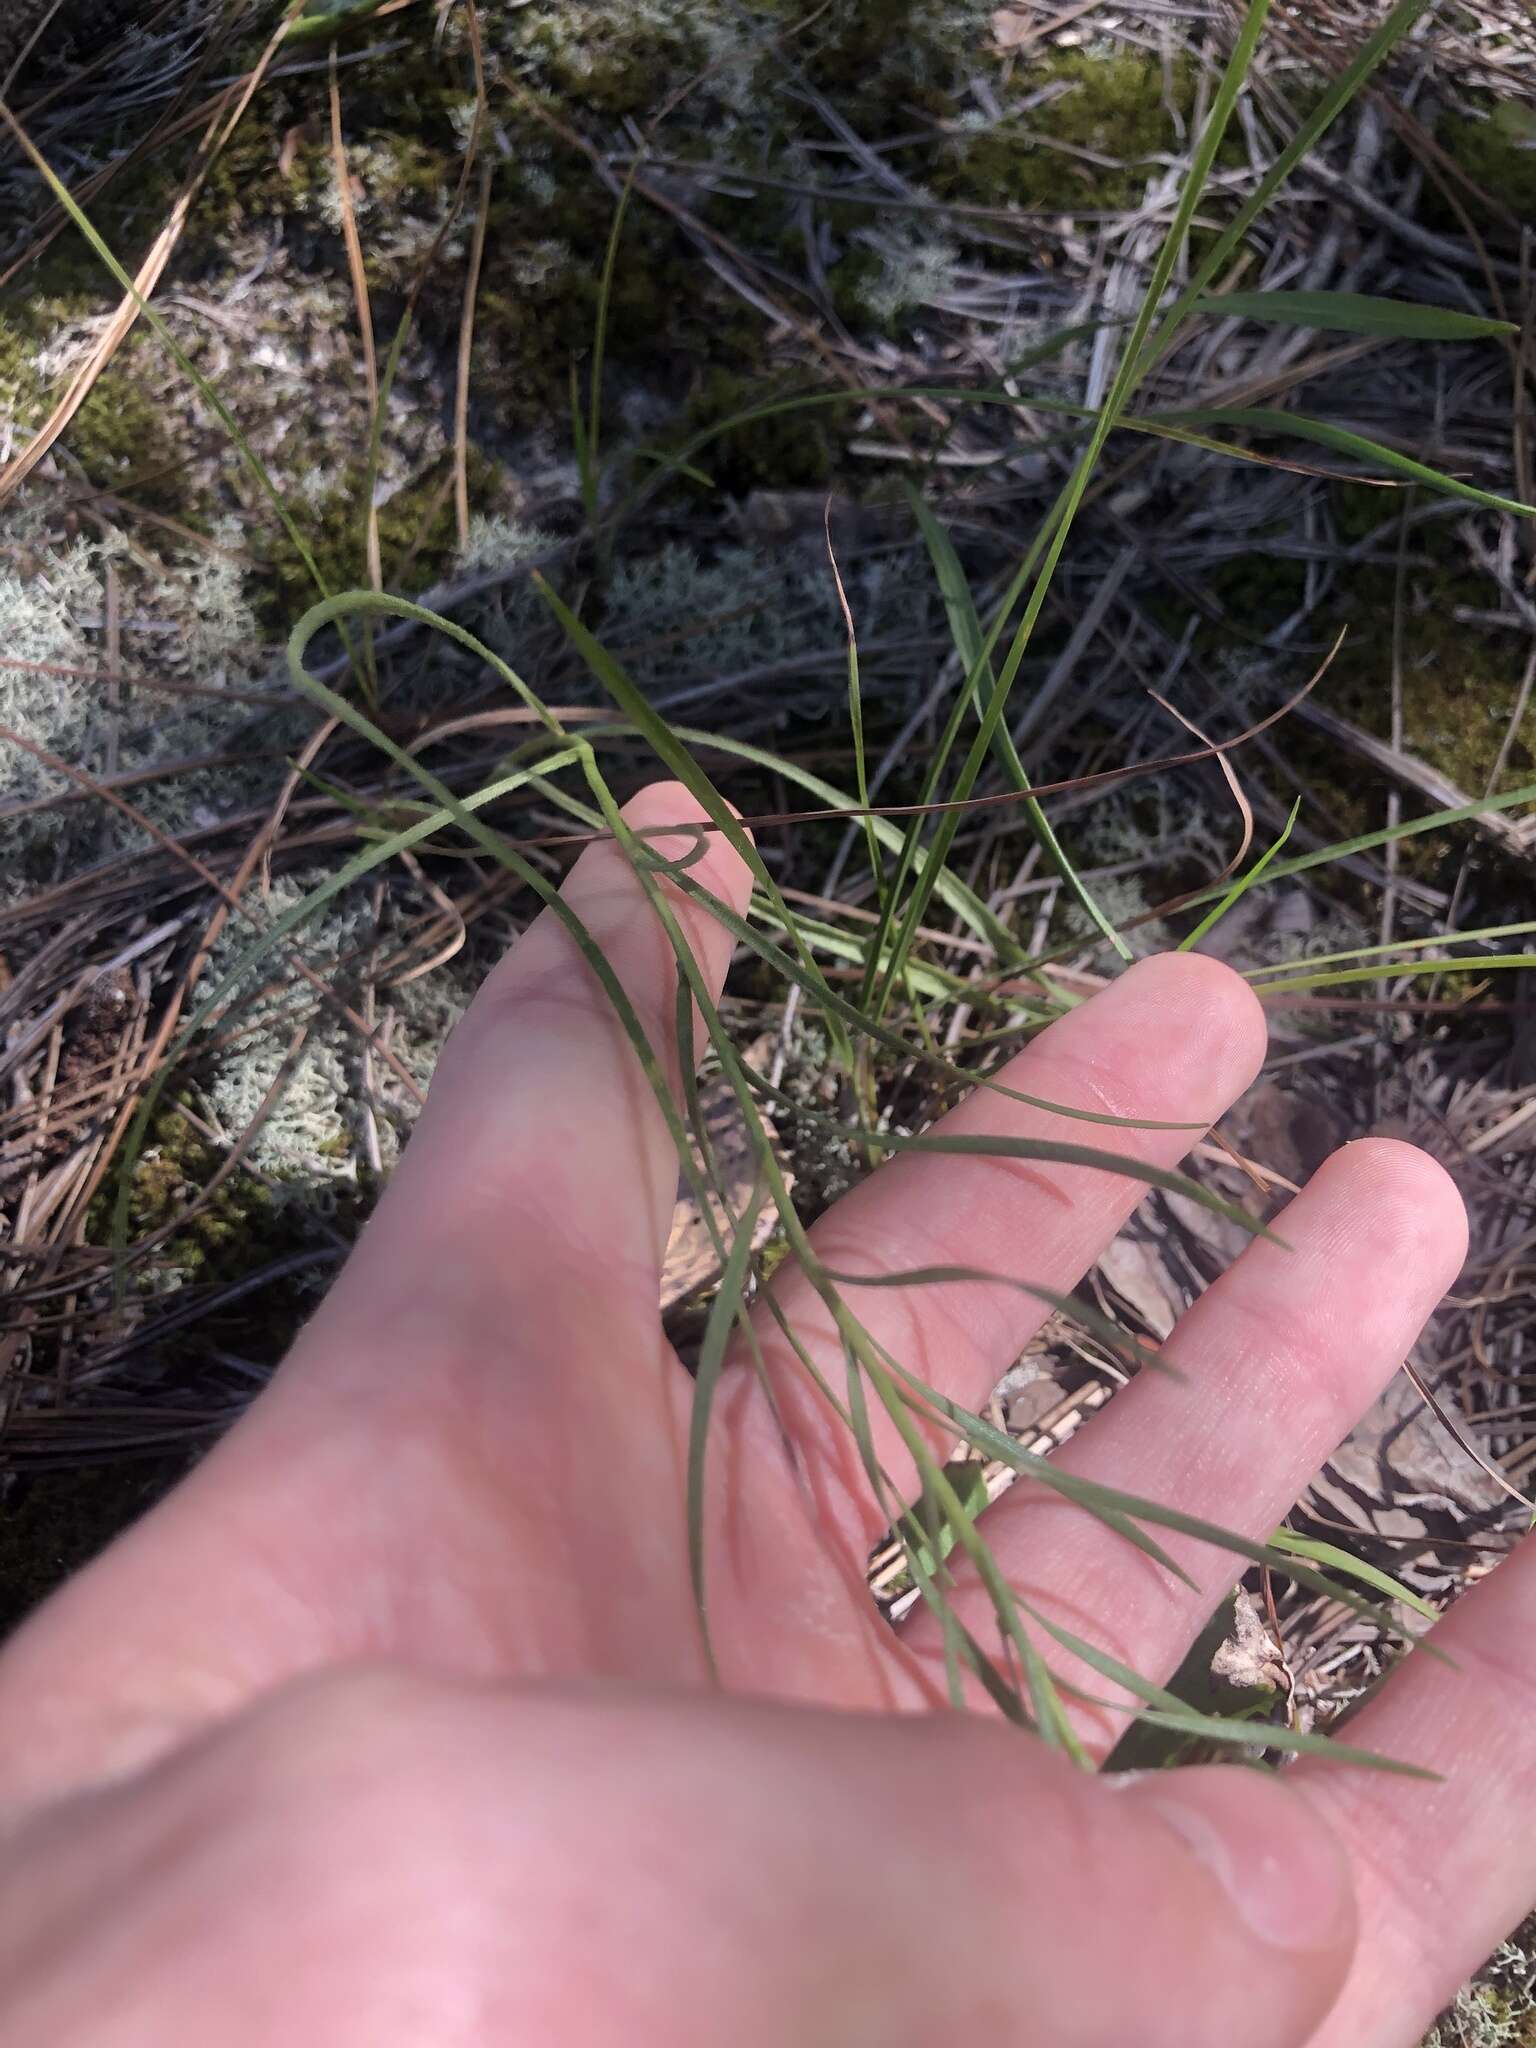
x=1442, y=1871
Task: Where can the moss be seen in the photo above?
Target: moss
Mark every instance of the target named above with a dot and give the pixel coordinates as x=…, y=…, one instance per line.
x=1256, y=589
x=884, y=63
x=23, y=393
x=1119, y=106
x=418, y=535
x=218, y=1241
x=1496, y=148
x=786, y=451
x=1458, y=686
x=615, y=60
x=123, y=439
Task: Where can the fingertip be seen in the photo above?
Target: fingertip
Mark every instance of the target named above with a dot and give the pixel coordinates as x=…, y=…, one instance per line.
x=1273, y=1859
x=1416, y=1205
x=720, y=868
x=1213, y=1003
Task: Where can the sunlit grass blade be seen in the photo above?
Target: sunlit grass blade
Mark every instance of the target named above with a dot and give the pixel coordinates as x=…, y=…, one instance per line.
x=1162, y=1709
x=1133, y=361
x=1052, y=1723
x=675, y=756
x=856, y=721
x=1290, y=1741
x=858, y=1023
x=992, y=1442
x=980, y=1145
x=965, y=630
x=1351, y=1567
x=1102, y=1327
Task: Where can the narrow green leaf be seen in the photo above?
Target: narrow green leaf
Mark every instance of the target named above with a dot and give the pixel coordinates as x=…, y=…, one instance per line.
x=1107, y=1331
x=1355, y=313
x=1241, y=886
x=1470, y=963
x=1265, y=1735
x=1352, y=1567
x=1316, y=960
x=723, y=1311
x=851, y=1015
x=1266, y=419
x=965, y=630
x=670, y=750
x=989, y=1146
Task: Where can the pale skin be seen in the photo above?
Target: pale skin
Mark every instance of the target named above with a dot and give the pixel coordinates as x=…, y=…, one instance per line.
x=392, y=1728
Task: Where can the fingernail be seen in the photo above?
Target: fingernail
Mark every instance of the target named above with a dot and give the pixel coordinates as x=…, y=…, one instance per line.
x=1271, y=1854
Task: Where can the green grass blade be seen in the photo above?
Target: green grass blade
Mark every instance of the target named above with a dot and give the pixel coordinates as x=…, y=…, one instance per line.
x=980, y=1146
x=1352, y=1567
x=1267, y=420
x=1354, y=313
x=1292, y=1741
x=1342, y=977
x=1484, y=932
x=1094, y=1499
x=1107, y=1331
x=965, y=630
x=1133, y=363
x=1241, y=887
x=675, y=756
x=723, y=1313
x=1335, y=97
x=849, y=1014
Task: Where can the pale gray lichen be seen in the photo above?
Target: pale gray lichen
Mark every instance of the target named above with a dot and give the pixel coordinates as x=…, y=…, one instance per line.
x=496, y=542
x=1498, y=2010
x=679, y=619
x=916, y=269
x=313, y=1133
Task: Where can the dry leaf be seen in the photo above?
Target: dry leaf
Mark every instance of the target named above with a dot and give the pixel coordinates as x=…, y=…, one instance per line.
x=1013, y=28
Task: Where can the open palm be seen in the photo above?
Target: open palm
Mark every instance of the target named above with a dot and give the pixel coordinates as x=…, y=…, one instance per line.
x=414, y=1657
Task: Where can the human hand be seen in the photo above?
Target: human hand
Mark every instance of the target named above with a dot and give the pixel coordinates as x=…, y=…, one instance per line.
x=393, y=1725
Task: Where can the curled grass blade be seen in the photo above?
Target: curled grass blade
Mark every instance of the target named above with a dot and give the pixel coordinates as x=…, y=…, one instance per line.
x=1242, y=885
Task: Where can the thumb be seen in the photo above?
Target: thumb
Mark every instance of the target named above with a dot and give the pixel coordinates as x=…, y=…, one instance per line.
x=1239, y=1903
